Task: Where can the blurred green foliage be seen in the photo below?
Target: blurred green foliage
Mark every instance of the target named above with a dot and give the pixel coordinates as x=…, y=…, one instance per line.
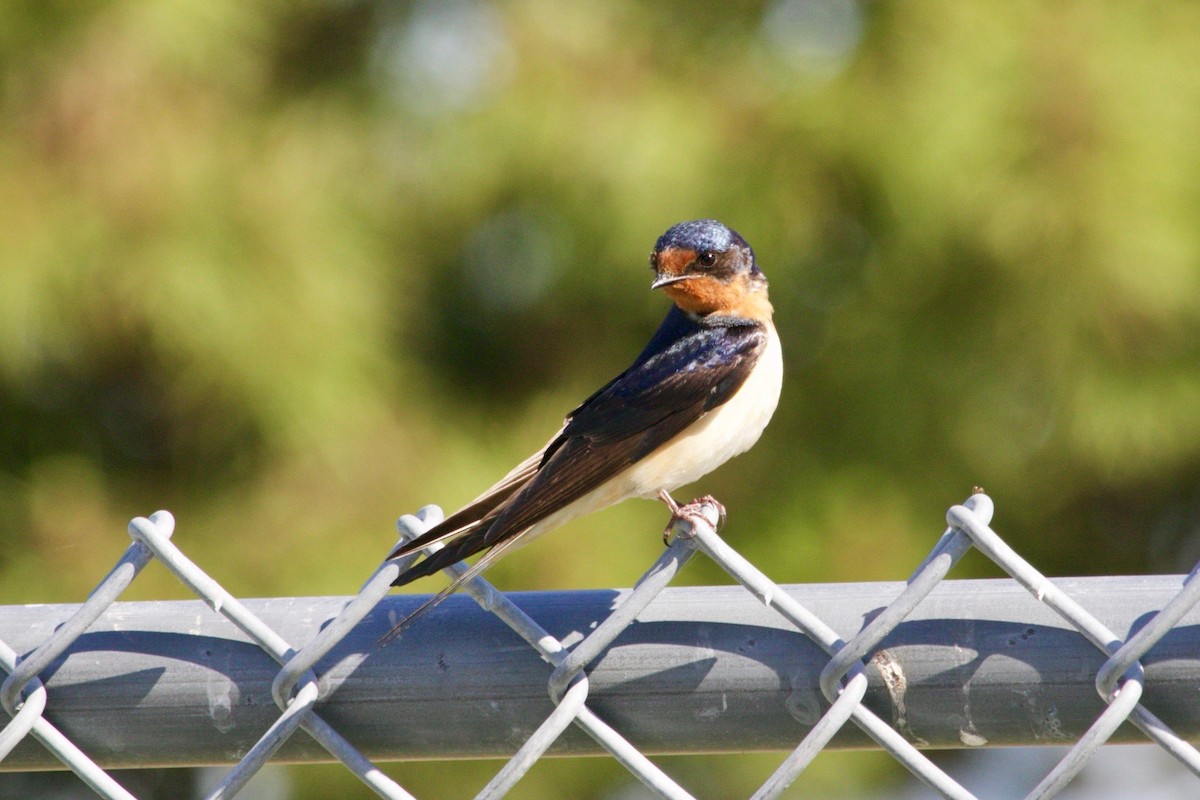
x=292, y=269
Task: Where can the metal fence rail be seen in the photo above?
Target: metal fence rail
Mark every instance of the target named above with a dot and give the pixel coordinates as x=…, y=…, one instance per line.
x=652, y=669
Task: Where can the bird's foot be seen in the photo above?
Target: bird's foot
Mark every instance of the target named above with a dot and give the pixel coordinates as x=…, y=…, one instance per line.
x=689, y=513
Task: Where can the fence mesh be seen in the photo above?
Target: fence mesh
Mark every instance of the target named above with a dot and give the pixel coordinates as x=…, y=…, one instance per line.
x=297, y=688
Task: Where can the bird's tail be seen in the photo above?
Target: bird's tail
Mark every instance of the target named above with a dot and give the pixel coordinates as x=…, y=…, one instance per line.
x=459, y=548
x=488, y=559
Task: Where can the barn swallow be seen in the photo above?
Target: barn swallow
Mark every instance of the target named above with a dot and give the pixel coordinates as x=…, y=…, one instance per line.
x=701, y=392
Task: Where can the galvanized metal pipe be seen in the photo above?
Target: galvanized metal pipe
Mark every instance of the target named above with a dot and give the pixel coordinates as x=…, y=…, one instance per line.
x=704, y=669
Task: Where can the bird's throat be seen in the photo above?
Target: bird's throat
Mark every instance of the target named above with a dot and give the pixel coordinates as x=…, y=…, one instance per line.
x=703, y=296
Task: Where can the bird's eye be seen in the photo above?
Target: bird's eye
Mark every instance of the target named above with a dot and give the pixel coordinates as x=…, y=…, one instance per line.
x=708, y=258
x=654, y=261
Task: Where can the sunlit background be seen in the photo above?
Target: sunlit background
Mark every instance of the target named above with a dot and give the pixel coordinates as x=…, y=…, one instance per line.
x=293, y=269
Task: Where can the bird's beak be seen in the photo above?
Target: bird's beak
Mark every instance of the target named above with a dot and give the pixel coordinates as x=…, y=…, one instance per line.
x=666, y=280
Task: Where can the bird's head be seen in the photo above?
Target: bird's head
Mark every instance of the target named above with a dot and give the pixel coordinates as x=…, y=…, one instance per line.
x=707, y=268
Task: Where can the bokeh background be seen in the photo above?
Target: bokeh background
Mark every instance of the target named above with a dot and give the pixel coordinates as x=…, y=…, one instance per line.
x=292, y=269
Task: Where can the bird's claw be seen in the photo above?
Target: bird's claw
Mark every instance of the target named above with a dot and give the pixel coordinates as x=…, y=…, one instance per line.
x=688, y=513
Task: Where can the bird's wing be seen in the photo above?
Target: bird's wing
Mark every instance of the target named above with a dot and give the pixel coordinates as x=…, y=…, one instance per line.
x=642, y=409
x=486, y=507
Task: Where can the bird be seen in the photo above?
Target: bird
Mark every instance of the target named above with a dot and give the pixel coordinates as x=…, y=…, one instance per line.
x=700, y=393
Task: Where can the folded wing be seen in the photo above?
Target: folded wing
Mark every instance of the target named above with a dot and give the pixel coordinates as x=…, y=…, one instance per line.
x=662, y=394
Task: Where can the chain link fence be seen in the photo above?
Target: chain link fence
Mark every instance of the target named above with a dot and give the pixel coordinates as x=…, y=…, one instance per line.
x=856, y=674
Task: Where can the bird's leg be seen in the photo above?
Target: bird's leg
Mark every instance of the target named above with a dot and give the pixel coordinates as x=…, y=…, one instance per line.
x=665, y=496
x=686, y=512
